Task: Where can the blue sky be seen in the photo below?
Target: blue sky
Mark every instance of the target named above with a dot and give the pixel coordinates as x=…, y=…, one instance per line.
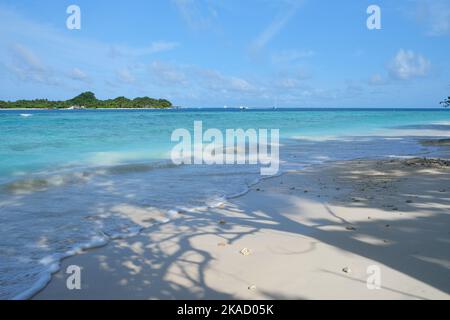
x=211, y=53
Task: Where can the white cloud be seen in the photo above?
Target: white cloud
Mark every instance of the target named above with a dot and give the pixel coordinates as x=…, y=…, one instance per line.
x=124, y=75
x=238, y=84
x=290, y=56
x=27, y=66
x=407, y=65
x=161, y=46
x=197, y=14
x=79, y=75
x=119, y=51
x=27, y=58
x=377, y=80
x=291, y=79
x=166, y=73
x=277, y=24
x=36, y=52
x=214, y=80
x=288, y=83
x=155, y=47
x=435, y=16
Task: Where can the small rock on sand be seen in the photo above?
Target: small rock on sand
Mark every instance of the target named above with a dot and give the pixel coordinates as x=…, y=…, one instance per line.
x=346, y=270
x=252, y=287
x=350, y=228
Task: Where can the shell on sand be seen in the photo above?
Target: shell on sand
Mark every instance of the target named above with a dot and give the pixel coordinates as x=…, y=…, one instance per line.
x=245, y=252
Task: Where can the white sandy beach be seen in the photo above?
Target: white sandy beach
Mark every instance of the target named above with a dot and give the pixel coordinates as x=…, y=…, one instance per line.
x=225, y=150
x=309, y=234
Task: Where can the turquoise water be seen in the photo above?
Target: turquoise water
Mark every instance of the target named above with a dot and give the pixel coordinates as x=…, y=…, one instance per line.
x=72, y=179
x=57, y=138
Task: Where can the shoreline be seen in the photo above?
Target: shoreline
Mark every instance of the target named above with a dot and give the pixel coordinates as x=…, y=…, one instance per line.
x=282, y=221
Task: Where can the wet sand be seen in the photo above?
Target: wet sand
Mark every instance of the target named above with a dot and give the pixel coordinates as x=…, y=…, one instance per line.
x=311, y=234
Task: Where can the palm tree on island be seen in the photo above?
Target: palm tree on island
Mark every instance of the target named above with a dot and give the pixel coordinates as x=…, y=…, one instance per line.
x=446, y=103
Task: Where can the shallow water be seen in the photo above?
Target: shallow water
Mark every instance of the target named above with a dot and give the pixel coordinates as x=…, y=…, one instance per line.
x=75, y=179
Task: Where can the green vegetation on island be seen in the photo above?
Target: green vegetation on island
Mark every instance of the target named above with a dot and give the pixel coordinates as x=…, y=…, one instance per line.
x=89, y=101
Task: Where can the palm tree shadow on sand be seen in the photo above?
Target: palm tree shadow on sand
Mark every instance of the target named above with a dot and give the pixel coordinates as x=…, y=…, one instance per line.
x=166, y=261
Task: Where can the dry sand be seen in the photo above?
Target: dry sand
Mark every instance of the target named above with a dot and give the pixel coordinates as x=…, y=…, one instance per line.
x=304, y=235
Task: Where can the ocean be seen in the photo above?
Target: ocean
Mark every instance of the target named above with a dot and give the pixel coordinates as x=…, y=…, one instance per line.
x=75, y=179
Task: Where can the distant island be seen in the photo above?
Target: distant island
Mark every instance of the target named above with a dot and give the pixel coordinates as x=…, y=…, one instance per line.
x=87, y=100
